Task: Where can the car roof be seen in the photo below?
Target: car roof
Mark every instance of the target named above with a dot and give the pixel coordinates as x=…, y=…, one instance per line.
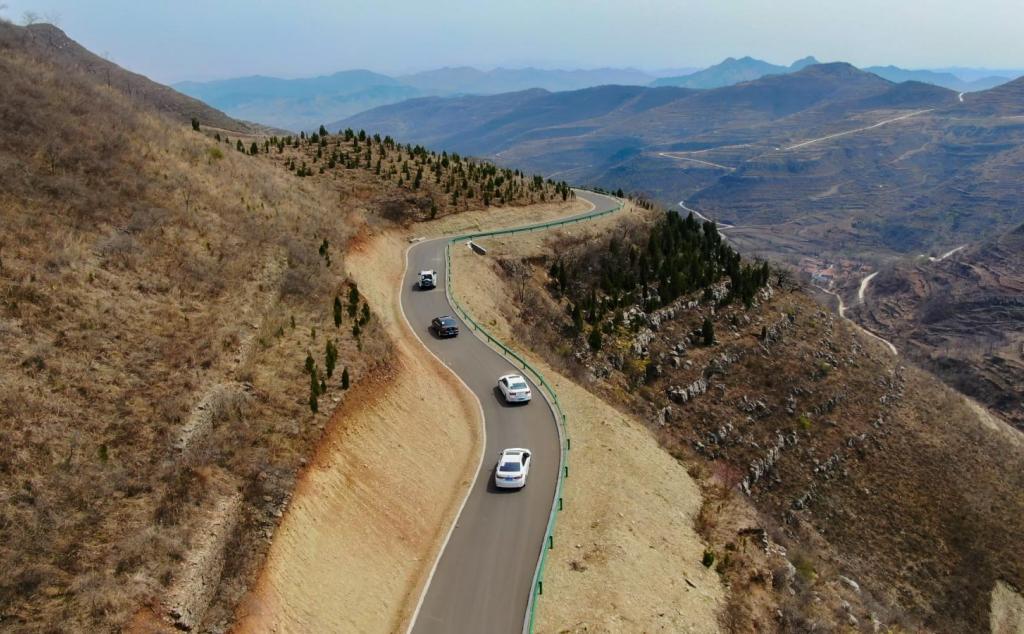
x=426, y=272
x=445, y=318
x=514, y=451
x=509, y=377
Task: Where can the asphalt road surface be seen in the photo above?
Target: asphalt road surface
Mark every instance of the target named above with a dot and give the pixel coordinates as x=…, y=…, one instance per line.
x=483, y=578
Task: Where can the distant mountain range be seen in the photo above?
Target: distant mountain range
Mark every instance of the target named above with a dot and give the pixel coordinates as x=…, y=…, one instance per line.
x=826, y=160
x=296, y=104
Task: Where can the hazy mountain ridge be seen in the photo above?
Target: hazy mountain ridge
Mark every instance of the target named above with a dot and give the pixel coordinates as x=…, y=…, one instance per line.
x=305, y=103
x=733, y=71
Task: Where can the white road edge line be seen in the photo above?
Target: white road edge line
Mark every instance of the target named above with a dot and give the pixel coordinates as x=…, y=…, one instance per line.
x=483, y=441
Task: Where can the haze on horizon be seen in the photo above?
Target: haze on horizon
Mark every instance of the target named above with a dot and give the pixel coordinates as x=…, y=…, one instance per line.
x=172, y=42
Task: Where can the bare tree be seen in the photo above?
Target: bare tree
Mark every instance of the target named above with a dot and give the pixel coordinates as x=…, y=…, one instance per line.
x=29, y=18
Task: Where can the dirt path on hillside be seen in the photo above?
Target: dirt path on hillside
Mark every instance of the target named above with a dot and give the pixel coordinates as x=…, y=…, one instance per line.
x=627, y=555
x=353, y=550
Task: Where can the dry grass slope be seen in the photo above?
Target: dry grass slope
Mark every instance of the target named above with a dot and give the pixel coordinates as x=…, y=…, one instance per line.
x=149, y=280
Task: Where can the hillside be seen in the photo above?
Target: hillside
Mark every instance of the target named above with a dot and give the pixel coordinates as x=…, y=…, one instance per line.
x=178, y=323
x=47, y=43
x=844, y=491
x=962, y=317
x=732, y=71
x=159, y=298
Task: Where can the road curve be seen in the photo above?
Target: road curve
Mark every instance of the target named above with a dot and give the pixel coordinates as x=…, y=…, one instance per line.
x=483, y=577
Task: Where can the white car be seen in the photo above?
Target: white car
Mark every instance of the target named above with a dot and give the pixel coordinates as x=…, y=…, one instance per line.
x=428, y=279
x=514, y=388
x=513, y=467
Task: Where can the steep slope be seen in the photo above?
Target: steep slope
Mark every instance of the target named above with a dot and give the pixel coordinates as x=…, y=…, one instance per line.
x=50, y=45
x=961, y=316
x=844, y=490
x=732, y=71
x=300, y=104
x=159, y=296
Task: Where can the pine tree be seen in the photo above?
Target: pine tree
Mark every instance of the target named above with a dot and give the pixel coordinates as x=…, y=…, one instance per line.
x=707, y=332
x=595, y=339
x=254, y=149
x=195, y=124
x=337, y=311
x=239, y=146
x=353, y=300
x=330, y=358
x=344, y=378
x=314, y=390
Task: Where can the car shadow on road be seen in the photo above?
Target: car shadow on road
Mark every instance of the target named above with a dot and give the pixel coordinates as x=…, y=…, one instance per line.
x=498, y=396
x=433, y=333
x=494, y=488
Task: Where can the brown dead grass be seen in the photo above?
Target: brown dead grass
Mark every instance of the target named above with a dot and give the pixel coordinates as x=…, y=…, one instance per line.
x=139, y=271
x=627, y=556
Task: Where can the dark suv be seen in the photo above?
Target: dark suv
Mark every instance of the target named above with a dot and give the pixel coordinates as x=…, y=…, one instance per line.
x=445, y=326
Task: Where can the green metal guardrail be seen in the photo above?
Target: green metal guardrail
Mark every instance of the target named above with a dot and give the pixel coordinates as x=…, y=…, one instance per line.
x=563, y=471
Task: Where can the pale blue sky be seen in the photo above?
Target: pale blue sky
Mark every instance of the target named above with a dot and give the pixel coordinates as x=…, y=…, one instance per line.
x=187, y=39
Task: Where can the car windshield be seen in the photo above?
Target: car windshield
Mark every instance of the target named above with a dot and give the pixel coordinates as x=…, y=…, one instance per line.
x=517, y=385
x=447, y=322
x=509, y=467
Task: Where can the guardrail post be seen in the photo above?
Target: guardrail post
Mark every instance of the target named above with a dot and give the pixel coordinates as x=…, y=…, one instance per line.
x=540, y=586
x=551, y=542
x=566, y=471
x=559, y=503
x=568, y=443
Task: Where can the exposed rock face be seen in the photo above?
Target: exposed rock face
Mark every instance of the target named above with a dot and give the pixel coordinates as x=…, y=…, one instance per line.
x=760, y=467
x=683, y=394
x=196, y=582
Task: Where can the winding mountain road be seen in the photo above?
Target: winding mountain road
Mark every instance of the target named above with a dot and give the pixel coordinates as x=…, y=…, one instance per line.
x=483, y=577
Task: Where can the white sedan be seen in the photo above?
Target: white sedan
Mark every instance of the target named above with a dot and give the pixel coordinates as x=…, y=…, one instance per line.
x=514, y=388
x=513, y=467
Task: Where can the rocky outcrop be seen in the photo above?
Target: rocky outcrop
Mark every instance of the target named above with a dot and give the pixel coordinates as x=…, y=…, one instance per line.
x=760, y=467
x=681, y=395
